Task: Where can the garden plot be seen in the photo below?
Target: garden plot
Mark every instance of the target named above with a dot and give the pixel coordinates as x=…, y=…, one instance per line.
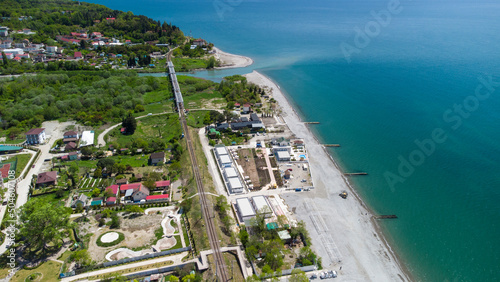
x=90, y=183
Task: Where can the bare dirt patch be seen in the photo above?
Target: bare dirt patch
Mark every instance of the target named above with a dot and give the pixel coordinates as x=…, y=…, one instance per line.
x=254, y=165
x=139, y=231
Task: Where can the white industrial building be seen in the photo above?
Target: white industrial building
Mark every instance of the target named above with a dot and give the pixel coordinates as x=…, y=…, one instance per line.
x=87, y=138
x=245, y=210
x=283, y=156
x=262, y=206
x=219, y=151
x=230, y=172
x=234, y=185
x=225, y=161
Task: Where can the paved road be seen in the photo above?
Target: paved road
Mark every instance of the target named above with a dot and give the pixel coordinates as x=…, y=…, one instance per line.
x=55, y=130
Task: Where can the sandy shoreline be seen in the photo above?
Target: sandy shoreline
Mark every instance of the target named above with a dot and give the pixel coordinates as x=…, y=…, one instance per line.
x=343, y=231
x=230, y=60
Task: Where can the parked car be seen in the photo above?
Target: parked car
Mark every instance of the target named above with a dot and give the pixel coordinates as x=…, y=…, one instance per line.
x=323, y=275
x=314, y=276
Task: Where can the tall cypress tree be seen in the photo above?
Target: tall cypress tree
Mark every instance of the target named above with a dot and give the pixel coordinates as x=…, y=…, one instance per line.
x=130, y=124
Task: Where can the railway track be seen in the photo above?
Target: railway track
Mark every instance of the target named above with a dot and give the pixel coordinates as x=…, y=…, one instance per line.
x=208, y=215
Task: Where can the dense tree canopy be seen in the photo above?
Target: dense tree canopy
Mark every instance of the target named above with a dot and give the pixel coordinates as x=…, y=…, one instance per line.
x=236, y=89
x=50, y=18
x=44, y=223
x=92, y=98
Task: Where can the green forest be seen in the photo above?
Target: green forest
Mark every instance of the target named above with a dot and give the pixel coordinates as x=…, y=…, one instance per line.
x=50, y=18
x=91, y=98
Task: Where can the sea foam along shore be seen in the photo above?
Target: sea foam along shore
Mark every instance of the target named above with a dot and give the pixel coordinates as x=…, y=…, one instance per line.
x=342, y=231
x=231, y=60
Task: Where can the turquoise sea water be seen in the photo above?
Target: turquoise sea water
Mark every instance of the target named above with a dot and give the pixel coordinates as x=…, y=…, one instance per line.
x=405, y=84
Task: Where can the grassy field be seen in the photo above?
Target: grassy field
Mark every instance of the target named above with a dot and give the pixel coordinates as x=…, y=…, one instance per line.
x=158, y=101
x=149, y=128
x=22, y=161
x=195, y=118
x=187, y=64
x=135, y=161
x=200, y=93
x=16, y=141
x=49, y=270
x=52, y=198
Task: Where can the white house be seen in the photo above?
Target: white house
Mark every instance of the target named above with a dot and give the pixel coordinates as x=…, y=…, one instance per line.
x=140, y=194
x=15, y=51
x=52, y=49
x=4, y=31
x=35, y=136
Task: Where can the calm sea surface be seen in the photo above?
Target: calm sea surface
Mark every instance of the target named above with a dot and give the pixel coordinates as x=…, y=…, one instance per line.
x=403, y=106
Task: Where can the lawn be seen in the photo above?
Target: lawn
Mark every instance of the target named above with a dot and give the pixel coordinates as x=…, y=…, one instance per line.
x=22, y=161
x=195, y=118
x=178, y=243
x=134, y=161
x=83, y=164
x=187, y=64
x=49, y=270
x=14, y=142
x=52, y=198
x=149, y=128
x=200, y=93
x=156, y=102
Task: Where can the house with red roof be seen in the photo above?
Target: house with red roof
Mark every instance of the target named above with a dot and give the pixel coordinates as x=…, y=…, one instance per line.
x=199, y=42
x=71, y=136
x=246, y=108
x=70, y=146
x=45, y=179
x=111, y=201
x=165, y=184
x=157, y=198
x=113, y=189
x=78, y=55
x=140, y=194
x=133, y=186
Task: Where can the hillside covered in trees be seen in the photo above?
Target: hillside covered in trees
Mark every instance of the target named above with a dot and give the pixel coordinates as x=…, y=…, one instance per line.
x=91, y=98
x=50, y=18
